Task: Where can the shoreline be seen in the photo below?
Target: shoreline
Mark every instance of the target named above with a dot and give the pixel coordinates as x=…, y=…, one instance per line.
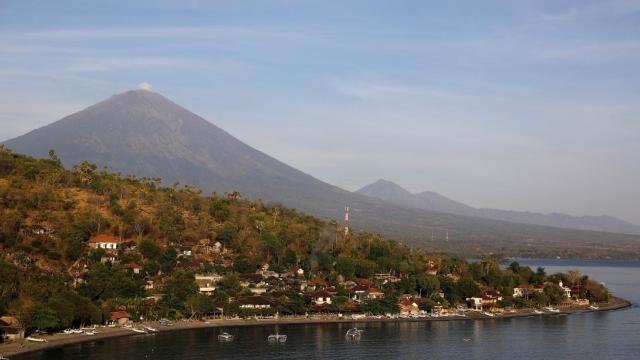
x=61, y=340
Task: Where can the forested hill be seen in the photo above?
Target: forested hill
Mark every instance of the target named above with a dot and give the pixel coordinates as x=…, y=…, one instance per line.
x=145, y=134
x=53, y=275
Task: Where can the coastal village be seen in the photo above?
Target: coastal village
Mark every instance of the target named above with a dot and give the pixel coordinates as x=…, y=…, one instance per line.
x=97, y=249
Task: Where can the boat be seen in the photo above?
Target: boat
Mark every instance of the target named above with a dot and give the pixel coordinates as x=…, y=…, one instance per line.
x=150, y=329
x=593, y=307
x=353, y=333
x=277, y=338
x=3, y=358
x=486, y=313
x=139, y=331
x=90, y=333
x=538, y=312
x=225, y=336
x=552, y=309
x=165, y=322
x=36, y=339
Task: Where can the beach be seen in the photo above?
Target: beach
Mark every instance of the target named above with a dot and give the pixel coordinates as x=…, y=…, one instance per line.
x=60, y=339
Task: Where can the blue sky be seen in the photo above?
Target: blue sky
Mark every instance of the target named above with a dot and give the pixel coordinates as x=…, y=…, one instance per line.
x=525, y=105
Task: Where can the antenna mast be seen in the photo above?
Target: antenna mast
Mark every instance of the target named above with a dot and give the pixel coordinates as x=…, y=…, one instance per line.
x=347, y=223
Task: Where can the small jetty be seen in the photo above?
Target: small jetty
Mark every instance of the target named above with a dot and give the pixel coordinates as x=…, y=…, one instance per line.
x=225, y=337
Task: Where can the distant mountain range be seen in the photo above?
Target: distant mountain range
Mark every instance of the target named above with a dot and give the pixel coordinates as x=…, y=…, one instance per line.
x=428, y=200
x=143, y=133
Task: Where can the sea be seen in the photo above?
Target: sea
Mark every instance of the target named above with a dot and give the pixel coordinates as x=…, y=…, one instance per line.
x=601, y=335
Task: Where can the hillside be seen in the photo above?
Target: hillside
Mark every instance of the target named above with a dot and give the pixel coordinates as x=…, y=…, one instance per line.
x=78, y=245
x=143, y=133
x=393, y=193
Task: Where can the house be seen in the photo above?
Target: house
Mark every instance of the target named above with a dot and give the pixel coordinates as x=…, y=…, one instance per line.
x=10, y=329
x=566, y=289
x=475, y=303
x=387, y=277
x=185, y=250
x=408, y=307
x=109, y=257
x=135, y=268
x=119, y=318
x=206, y=283
x=582, y=302
x=359, y=293
x=374, y=294
x=321, y=297
x=316, y=284
x=103, y=241
x=519, y=292
x=258, y=290
x=254, y=302
x=148, y=285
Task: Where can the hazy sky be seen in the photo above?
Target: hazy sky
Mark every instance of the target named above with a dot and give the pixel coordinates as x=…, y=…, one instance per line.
x=526, y=105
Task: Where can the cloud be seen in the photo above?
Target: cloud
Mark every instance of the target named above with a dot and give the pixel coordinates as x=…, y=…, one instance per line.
x=80, y=34
x=611, y=8
x=144, y=86
x=593, y=53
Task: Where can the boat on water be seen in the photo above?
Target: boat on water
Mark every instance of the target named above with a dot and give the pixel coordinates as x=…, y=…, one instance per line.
x=277, y=338
x=538, y=312
x=30, y=338
x=353, y=333
x=486, y=313
x=225, y=336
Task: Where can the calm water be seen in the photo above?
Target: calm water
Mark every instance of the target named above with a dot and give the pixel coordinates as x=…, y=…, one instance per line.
x=607, y=335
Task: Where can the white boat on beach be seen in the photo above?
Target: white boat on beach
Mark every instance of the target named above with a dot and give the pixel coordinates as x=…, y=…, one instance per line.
x=277, y=338
x=89, y=333
x=593, y=307
x=353, y=334
x=538, y=312
x=225, y=336
x=139, y=331
x=30, y=338
x=150, y=329
x=552, y=309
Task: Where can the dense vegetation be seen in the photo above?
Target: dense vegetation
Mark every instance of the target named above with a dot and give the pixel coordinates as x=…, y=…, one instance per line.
x=51, y=278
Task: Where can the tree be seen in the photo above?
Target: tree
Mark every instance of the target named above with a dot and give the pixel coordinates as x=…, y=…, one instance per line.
x=149, y=249
x=346, y=266
x=178, y=287
x=42, y=318
x=554, y=293
x=427, y=283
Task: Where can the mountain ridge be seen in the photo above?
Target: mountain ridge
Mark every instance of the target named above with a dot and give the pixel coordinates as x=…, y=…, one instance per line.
x=428, y=200
x=145, y=134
